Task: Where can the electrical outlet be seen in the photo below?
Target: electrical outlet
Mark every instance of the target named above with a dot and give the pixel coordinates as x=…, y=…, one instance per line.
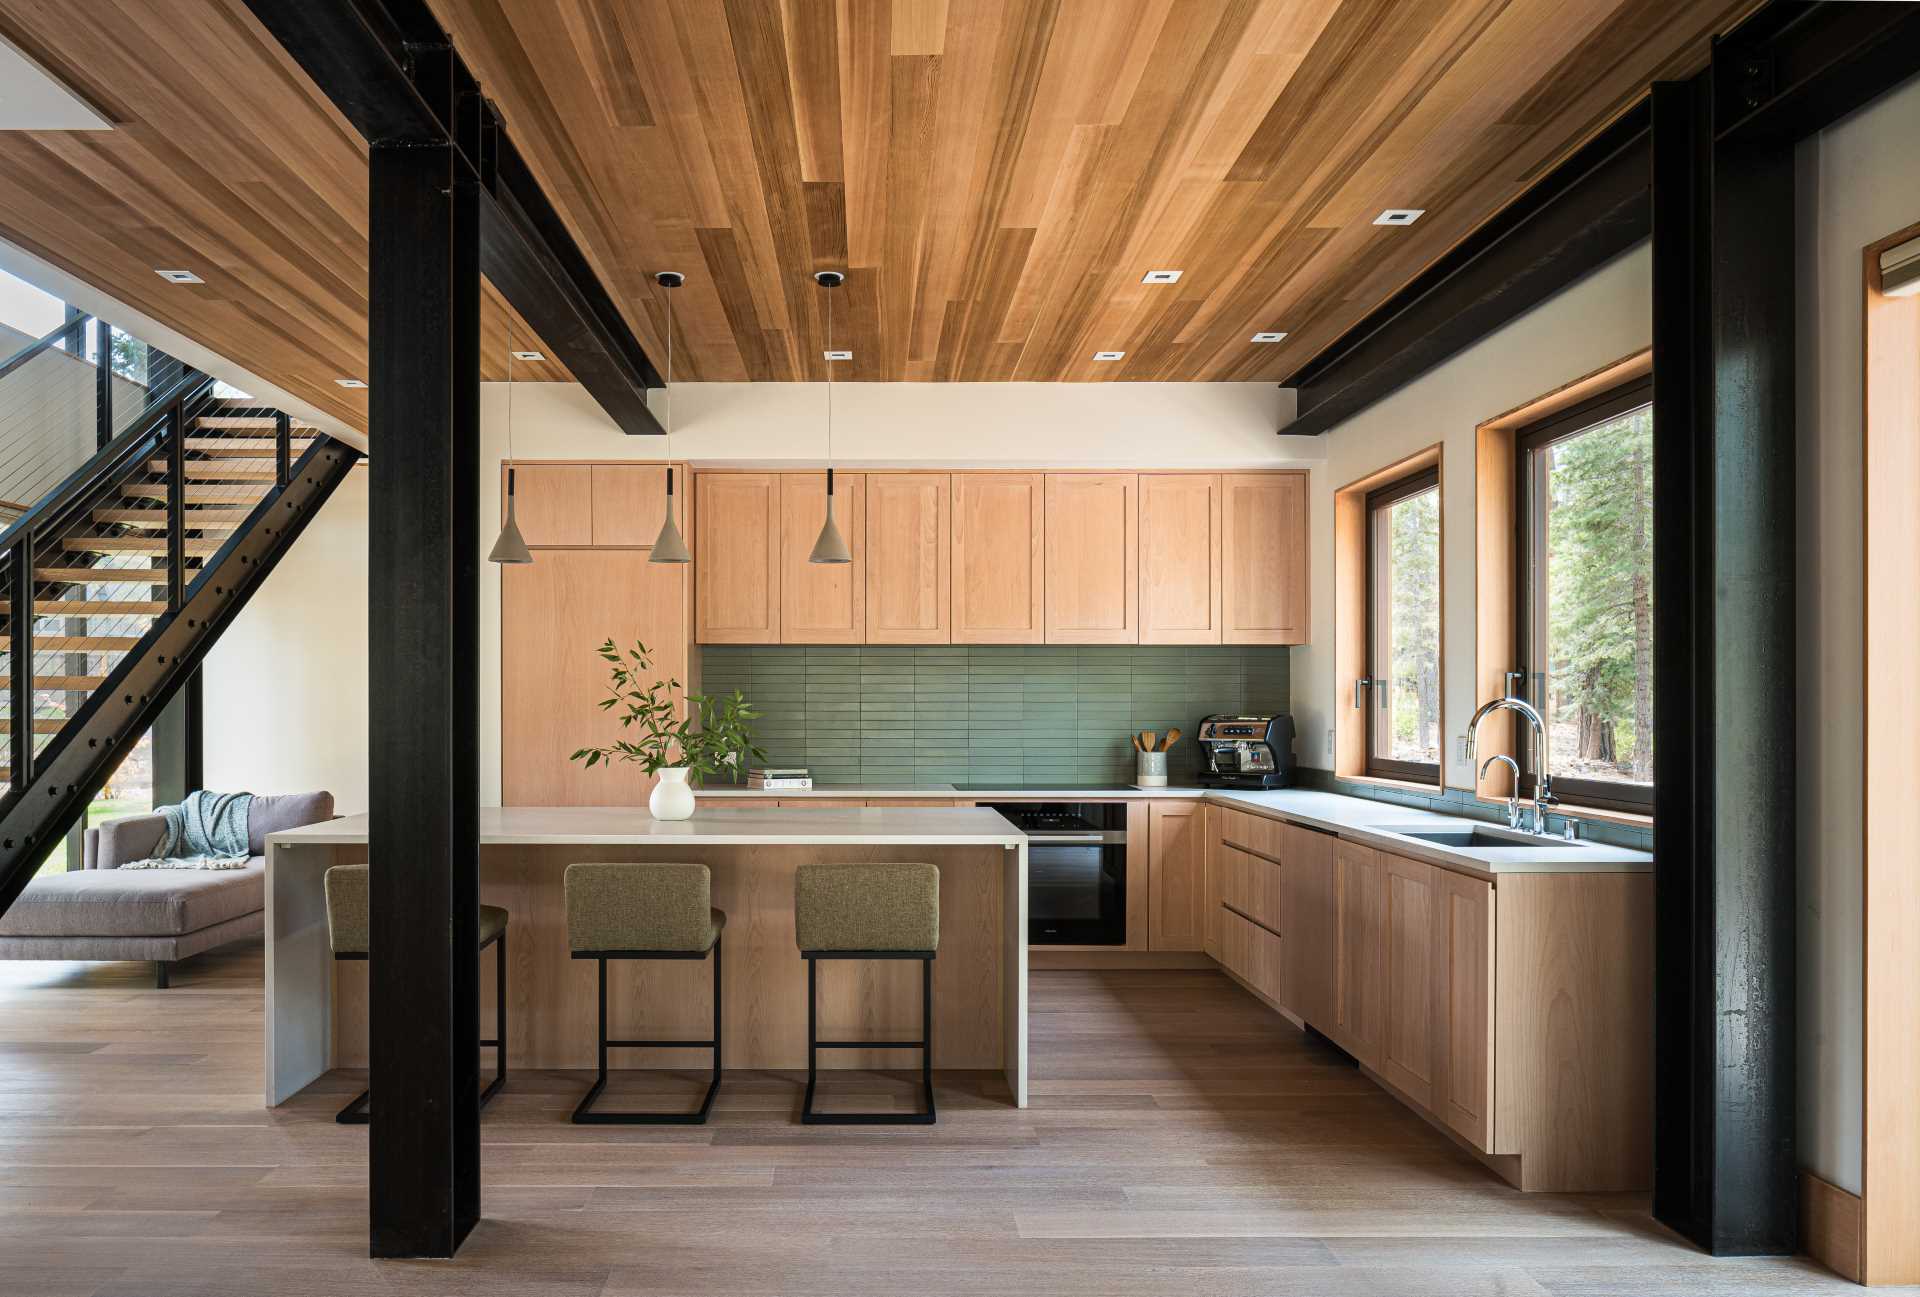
x=1329, y=742
x=1460, y=748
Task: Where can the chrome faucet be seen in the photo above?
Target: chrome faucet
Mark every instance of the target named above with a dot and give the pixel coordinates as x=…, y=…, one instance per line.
x=1542, y=781
x=1513, y=797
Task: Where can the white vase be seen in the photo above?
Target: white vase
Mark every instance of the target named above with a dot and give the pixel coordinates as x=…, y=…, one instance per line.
x=672, y=797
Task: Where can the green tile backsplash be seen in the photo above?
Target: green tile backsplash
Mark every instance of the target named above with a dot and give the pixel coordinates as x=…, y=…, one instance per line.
x=978, y=713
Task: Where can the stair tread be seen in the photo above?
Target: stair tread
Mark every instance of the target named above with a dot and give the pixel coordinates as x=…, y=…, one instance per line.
x=41, y=725
x=98, y=607
x=255, y=446
x=136, y=545
x=78, y=643
x=101, y=575
x=200, y=519
x=64, y=684
x=253, y=421
x=230, y=495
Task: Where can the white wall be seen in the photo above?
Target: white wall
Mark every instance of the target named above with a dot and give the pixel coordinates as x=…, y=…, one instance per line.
x=1602, y=318
x=286, y=686
x=1858, y=183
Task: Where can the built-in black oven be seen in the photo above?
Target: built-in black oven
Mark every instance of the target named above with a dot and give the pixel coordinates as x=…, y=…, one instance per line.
x=1076, y=871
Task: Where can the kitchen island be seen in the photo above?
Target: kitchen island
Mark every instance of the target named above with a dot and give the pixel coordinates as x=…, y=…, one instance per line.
x=316, y=1008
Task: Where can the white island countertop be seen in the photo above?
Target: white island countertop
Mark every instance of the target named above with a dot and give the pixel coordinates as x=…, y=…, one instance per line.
x=712, y=825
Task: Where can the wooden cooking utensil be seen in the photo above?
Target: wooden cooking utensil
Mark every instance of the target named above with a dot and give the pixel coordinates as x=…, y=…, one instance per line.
x=1146, y=740
x=1173, y=736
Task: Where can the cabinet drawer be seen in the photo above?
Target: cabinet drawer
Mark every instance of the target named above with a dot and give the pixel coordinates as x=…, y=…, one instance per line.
x=1252, y=954
x=1251, y=885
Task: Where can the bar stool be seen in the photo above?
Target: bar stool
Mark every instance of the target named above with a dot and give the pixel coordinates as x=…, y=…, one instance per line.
x=644, y=911
x=348, y=929
x=868, y=911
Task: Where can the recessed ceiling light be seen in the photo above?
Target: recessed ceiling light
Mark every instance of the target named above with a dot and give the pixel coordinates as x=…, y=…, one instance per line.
x=1108, y=355
x=838, y=355
x=349, y=382
x=179, y=276
x=1268, y=337
x=1161, y=277
x=528, y=355
x=1400, y=216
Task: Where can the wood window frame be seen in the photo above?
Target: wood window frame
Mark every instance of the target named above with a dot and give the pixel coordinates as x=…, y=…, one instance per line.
x=1350, y=595
x=1498, y=530
x=1529, y=564
x=1378, y=501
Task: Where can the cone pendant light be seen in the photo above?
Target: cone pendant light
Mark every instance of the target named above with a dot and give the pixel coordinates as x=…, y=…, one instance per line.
x=832, y=546
x=669, y=546
x=511, y=547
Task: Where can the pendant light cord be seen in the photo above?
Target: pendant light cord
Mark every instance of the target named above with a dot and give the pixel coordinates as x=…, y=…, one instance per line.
x=669, y=398
x=510, y=462
x=829, y=391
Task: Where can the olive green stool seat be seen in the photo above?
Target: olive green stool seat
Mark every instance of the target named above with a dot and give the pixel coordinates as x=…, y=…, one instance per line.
x=868, y=911
x=350, y=933
x=644, y=911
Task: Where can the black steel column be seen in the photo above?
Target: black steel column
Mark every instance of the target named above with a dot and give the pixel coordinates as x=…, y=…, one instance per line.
x=1724, y=320
x=103, y=384
x=423, y=533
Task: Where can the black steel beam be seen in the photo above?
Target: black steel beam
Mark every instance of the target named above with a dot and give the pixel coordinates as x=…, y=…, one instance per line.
x=392, y=71
x=423, y=740
x=1793, y=68
x=1582, y=214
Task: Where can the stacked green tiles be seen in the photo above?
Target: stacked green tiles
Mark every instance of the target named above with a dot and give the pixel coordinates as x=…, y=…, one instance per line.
x=986, y=713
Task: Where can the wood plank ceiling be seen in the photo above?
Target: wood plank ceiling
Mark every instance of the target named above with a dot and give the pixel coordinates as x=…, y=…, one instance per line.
x=996, y=175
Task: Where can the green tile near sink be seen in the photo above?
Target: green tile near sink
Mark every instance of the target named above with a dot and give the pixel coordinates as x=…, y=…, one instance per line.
x=971, y=713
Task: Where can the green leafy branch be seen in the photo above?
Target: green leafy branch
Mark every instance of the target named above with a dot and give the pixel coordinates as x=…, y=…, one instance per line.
x=715, y=736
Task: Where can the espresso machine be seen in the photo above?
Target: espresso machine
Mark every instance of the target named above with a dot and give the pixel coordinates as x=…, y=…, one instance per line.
x=1246, y=751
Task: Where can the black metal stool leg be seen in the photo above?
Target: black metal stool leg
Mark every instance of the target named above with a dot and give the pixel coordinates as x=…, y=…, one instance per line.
x=499, y=1041
x=808, y=1115
x=584, y=1114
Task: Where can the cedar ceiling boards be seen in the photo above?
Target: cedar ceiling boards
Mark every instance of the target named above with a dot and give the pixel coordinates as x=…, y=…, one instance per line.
x=996, y=175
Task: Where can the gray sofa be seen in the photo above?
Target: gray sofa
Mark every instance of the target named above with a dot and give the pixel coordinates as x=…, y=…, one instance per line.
x=103, y=912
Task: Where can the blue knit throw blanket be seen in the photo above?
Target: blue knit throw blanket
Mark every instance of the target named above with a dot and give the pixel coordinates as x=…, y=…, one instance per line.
x=206, y=831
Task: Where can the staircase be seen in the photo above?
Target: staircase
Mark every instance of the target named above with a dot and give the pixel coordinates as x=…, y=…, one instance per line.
x=115, y=583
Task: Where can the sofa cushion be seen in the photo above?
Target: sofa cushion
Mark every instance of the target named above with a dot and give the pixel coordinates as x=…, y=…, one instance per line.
x=135, y=902
x=271, y=814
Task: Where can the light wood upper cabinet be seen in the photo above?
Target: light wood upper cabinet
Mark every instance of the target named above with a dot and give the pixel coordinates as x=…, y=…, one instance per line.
x=554, y=612
x=1306, y=899
x=1406, y=1057
x=1176, y=873
x=1463, y=983
x=1093, y=558
x=737, y=558
x=1359, y=917
x=630, y=502
x=553, y=503
x=822, y=603
x=1180, y=559
x=999, y=564
x=909, y=558
x=1264, y=558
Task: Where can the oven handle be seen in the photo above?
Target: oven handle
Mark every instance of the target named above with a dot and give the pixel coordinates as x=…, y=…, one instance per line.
x=1077, y=837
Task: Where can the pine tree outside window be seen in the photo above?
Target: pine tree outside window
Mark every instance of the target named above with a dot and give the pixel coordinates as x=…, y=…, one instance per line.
x=1403, y=629
x=1585, y=587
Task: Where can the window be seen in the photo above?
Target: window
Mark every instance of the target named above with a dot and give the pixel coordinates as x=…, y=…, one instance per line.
x=1403, y=629
x=1585, y=587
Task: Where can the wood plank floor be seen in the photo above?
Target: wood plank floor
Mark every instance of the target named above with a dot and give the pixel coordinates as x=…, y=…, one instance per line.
x=1181, y=1140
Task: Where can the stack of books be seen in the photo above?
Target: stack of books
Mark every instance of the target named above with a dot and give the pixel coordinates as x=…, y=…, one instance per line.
x=788, y=778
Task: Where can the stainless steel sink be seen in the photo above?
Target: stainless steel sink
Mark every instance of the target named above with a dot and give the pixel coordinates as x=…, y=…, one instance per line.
x=1474, y=837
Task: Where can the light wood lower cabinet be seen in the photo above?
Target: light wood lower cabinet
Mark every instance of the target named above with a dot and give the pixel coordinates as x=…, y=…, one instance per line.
x=1463, y=1005
x=1407, y=1039
x=1358, y=920
x=1517, y=1014
x=1176, y=876
x=1306, y=898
